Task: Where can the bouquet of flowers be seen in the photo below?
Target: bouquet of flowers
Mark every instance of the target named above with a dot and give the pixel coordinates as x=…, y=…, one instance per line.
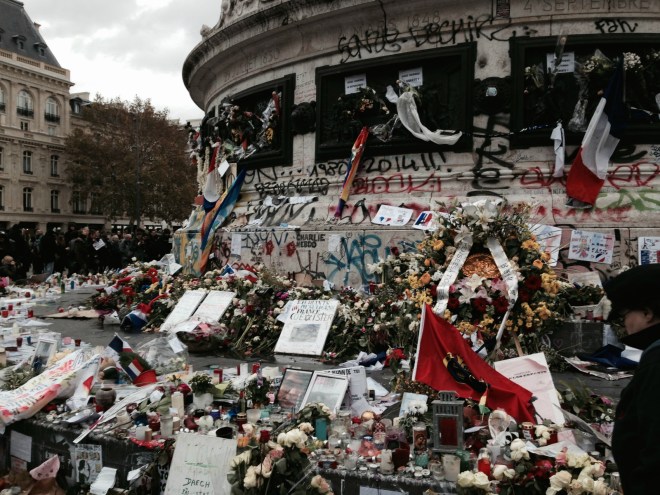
x=279, y=467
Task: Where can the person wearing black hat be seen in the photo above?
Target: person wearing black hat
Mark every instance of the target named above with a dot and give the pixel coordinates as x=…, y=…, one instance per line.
x=635, y=297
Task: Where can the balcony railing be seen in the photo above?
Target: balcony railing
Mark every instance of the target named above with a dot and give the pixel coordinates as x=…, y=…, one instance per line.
x=52, y=117
x=25, y=112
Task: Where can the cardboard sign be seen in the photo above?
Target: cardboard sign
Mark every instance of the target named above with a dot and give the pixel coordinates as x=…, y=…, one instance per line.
x=649, y=250
x=184, y=309
x=200, y=465
x=306, y=327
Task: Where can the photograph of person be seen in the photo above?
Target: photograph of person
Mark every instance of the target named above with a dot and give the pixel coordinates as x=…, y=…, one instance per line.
x=293, y=388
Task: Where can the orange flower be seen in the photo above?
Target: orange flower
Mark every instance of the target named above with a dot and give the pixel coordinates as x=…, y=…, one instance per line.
x=425, y=279
x=438, y=244
x=538, y=264
x=427, y=262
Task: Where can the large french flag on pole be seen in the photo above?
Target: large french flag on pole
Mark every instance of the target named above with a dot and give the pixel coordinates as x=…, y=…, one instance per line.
x=589, y=169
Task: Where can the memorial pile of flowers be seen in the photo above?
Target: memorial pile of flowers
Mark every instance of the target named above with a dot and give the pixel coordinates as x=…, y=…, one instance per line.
x=478, y=297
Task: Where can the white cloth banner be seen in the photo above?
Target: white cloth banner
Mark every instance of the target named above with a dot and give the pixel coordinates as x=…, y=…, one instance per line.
x=407, y=110
x=508, y=275
x=560, y=150
x=451, y=273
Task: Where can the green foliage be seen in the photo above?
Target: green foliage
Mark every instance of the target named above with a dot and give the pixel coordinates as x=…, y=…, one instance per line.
x=125, y=142
x=201, y=383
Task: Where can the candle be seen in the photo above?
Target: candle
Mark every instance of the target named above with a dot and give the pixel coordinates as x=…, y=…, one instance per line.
x=386, y=463
x=452, y=466
x=178, y=404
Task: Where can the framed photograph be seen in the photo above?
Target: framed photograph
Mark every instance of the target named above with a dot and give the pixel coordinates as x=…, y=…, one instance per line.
x=44, y=350
x=293, y=387
x=328, y=389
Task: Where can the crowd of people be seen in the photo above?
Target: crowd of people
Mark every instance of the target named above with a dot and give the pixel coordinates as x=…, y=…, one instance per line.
x=78, y=250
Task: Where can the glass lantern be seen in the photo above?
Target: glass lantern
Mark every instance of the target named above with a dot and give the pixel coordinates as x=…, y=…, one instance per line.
x=447, y=423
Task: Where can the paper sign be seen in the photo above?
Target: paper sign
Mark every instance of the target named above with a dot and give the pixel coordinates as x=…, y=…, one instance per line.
x=334, y=243
x=20, y=446
x=200, y=465
x=87, y=461
x=307, y=327
x=426, y=221
x=414, y=77
x=236, y=243
x=532, y=373
x=213, y=306
x=184, y=309
x=352, y=84
x=98, y=244
x=649, y=250
x=549, y=238
x=591, y=246
x=392, y=215
x=357, y=381
x=566, y=66
x=223, y=167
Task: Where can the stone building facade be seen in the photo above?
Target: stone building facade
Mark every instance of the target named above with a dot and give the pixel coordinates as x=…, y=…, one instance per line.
x=37, y=111
x=504, y=72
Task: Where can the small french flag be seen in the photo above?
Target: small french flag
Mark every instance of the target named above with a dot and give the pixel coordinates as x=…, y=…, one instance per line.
x=134, y=369
x=118, y=345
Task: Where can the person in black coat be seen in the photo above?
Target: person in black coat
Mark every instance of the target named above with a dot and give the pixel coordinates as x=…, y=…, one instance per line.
x=635, y=297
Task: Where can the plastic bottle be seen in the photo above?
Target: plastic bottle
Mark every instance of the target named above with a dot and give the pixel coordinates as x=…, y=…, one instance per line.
x=242, y=403
x=62, y=286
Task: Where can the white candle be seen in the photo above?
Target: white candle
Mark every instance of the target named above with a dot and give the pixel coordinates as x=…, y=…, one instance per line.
x=178, y=404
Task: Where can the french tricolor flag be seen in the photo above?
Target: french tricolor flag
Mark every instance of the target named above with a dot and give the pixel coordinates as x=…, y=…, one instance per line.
x=116, y=346
x=607, y=125
x=134, y=369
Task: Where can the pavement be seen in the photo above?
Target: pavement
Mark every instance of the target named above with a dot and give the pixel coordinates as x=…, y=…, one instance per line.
x=94, y=332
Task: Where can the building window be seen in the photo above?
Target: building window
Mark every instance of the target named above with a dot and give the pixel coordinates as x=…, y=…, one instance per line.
x=95, y=203
x=25, y=125
x=25, y=106
x=270, y=138
x=78, y=202
x=55, y=201
x=27, y=199
x=76, y=107
x=27, y=162
x=2, y=197
x=2, y=156
x=2, y=100
x=355, y=95
x=52, y=111
x=54, y=165
x=20, y=41
x=543, y=95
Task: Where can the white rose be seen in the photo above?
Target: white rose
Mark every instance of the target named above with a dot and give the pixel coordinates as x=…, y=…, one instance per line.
x=306, y=427
x=244, y=457
x=481, y=481
x=251, y=479
x=520, y=454
x=465, y=479
x=498, y=471
x=559, y=482
x=518, y=444
x=600, y=487
x=576, y=488
x=282, y=439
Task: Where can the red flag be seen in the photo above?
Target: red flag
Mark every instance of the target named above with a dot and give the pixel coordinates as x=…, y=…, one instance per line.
x=445, y=361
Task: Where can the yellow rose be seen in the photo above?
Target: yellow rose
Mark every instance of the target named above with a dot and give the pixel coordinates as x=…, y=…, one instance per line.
x=438, y=244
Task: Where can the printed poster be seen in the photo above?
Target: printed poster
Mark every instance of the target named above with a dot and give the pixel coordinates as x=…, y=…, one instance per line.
x=392, y=215
x=649, y=250
x=591, y=246
x=549, y=238
x=306, y=327
x=87, y=461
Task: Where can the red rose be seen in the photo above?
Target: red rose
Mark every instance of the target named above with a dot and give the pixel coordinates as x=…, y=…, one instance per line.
x=533, y=282
x=501, y=305
x=480, y=304
x=523, y=296
x=453, y=303
x=433, y=290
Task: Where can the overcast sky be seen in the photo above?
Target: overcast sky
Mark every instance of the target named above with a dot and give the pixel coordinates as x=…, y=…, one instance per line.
x=126, y=48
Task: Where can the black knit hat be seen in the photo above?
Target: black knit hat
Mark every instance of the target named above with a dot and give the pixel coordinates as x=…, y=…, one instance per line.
x=636, y=288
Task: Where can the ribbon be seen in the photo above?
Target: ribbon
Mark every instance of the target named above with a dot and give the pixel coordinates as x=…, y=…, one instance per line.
x=451, y=273
x=508, y=275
